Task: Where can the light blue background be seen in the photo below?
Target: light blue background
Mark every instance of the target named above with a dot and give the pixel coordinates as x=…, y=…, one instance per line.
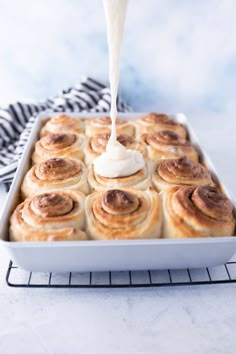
x=176, y=56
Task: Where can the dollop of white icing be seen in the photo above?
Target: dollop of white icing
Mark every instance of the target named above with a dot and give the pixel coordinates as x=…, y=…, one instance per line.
x=118, y=162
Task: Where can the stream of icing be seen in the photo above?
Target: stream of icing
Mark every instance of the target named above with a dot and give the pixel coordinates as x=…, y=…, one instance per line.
x=116, y=161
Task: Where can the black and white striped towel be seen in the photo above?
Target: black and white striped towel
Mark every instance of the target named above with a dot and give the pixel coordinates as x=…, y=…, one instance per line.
x=17, y=119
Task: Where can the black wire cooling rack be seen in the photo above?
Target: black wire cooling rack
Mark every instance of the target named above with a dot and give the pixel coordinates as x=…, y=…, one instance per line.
x=16, y=277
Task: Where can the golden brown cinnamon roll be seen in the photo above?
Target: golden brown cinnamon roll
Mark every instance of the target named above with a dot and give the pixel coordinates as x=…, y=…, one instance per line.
x=54, y=174
x=168, y=145
x=140, y=180
x=197, y=212
x=63, y=124
x=55, y=216
x=102, y=125
x=96, y=145
x=120, y=214
x=175, y=172
x=155, y=122
x=59, y=145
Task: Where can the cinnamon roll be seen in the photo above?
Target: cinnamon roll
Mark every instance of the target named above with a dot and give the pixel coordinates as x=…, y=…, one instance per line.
x=174, y=172
x=55, y=216
x=120, y=214
x=102, y=125
x=96, y=145
x=140, y=180
x=168, y=145
x=59, y=145
x=155, y=122
x=54, y=174
x=63, y=124
x=197, y=212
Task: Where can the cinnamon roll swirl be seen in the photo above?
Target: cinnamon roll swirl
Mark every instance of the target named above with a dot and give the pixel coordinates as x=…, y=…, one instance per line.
x=59, y=145
x=63, y=124
x=102, y=125
x=175, y=172
x=120, y=214
x=54, y=174
x=168, y=145
x=96, y=145
x=197, y=212
x=140, y=180
x=155, y=122
x=55, y=216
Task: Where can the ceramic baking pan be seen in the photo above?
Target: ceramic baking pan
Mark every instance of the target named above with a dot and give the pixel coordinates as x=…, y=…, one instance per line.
x=110, y=255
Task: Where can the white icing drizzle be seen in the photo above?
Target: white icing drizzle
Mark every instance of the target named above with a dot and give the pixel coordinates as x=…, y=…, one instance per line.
x=116, y=161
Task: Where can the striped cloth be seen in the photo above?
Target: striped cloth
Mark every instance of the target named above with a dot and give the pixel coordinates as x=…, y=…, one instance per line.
x=16, y=121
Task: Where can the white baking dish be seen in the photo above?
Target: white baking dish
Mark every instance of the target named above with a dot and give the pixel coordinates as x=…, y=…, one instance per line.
x=109, y=255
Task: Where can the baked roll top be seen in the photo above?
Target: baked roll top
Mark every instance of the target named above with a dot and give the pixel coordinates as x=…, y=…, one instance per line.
x=123, y=214
x=55, y=216
x=54, y=174
x=102, y=125
x=63, y=124
x=197, y=212
x=96, y=145
x=175, y=172
x=155, y=122
x=139, y=180
x=59, y=145
x=167, y=144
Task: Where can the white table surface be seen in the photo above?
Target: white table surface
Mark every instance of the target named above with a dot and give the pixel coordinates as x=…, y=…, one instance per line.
x=196, y=320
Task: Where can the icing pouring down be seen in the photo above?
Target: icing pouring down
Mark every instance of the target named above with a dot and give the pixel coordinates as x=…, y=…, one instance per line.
x=116, y=161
